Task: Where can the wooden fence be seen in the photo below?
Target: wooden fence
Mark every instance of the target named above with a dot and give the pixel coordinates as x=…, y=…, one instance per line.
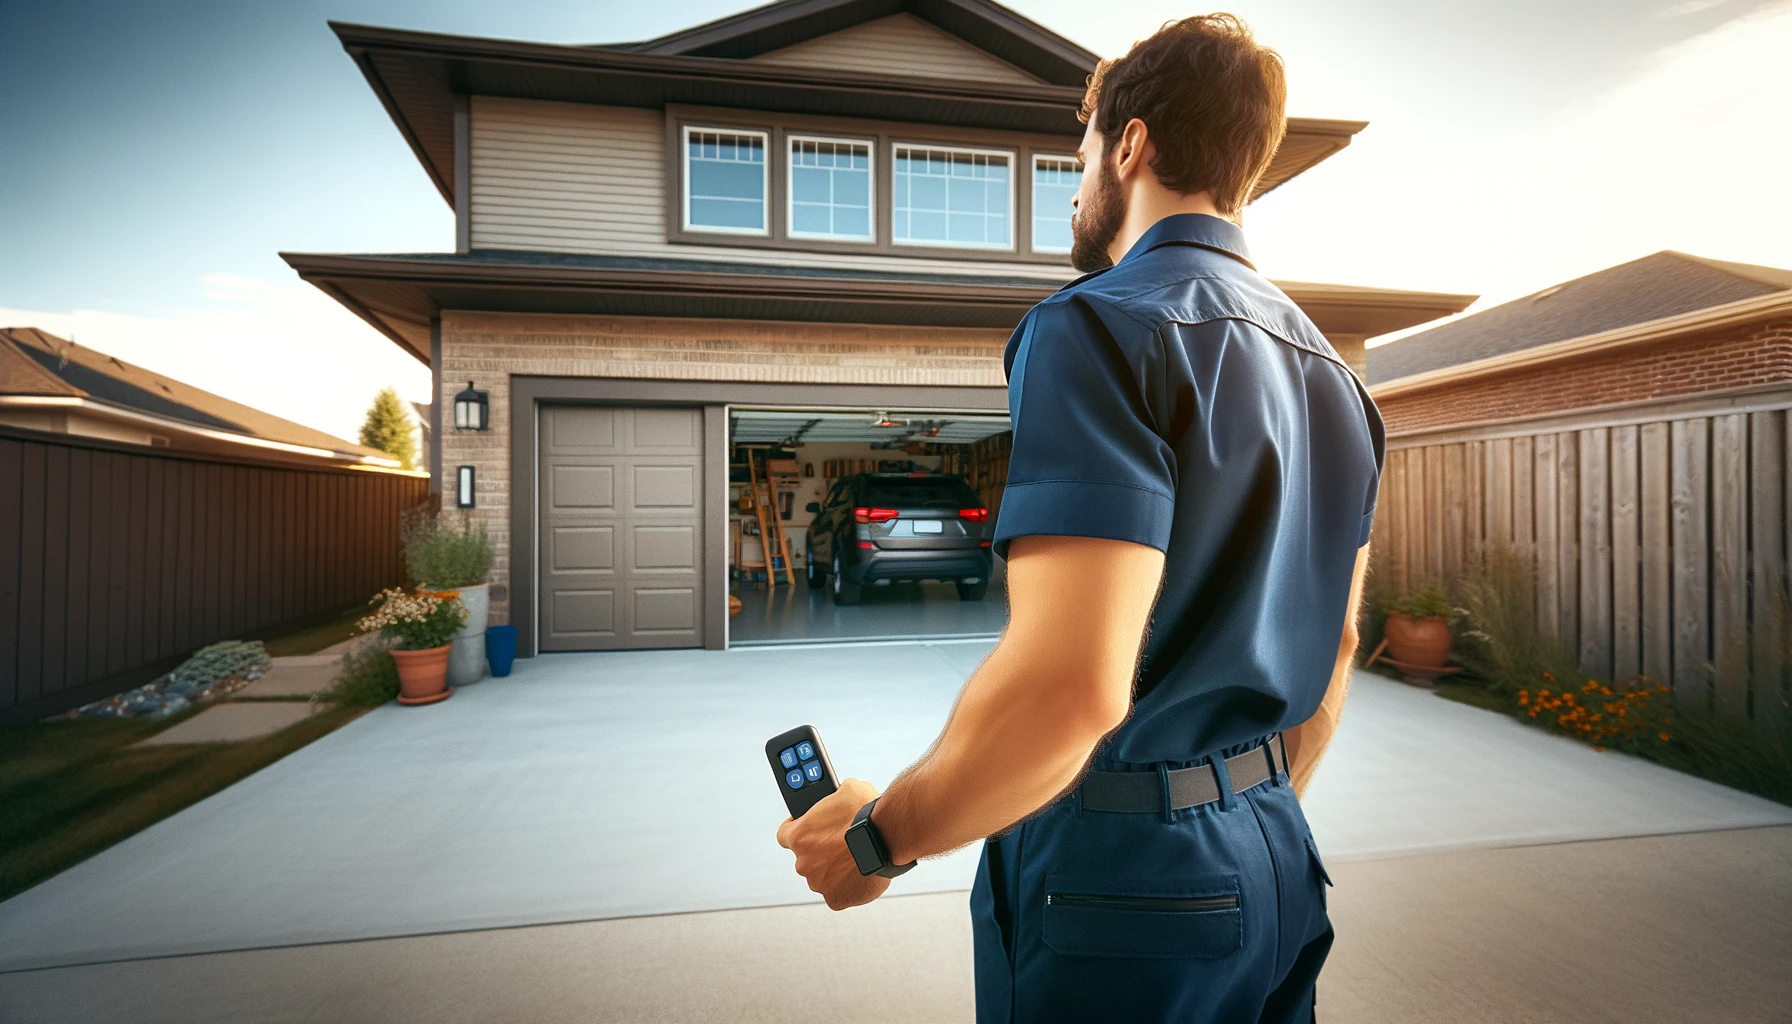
x=1658, y=532
x=116, y=562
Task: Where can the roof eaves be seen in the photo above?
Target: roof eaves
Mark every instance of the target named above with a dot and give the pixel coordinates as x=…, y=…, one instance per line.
x=1728, y=314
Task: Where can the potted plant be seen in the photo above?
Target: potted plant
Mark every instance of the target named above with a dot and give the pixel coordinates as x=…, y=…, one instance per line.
x=452, y=553
x=1418, y=631
x=422, y=627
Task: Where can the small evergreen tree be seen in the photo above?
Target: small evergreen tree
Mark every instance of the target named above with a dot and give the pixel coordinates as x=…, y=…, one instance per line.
x=388, y=428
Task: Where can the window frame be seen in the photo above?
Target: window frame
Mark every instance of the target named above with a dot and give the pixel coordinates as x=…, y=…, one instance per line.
x=791, y=138
x=1033, y=206
x=882, y=135
x=684, y=181
x=1013, y=158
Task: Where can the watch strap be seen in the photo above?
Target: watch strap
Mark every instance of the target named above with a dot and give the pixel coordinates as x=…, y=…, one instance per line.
x=863, y=822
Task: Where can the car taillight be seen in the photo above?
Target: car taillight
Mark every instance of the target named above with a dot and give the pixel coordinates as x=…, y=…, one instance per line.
x=975, y=515
x=873, y=515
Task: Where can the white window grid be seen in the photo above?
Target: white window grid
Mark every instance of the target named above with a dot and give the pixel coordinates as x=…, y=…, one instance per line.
x=684, y=150
x=1057, y=163
x=791, y=152
x=986, y=156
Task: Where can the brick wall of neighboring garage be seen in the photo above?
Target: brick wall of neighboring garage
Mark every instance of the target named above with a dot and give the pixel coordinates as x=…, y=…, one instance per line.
x=487, y=348
x=1694, y=364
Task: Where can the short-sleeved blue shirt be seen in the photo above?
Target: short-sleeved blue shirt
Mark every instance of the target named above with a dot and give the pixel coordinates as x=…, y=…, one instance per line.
x=1181, y=401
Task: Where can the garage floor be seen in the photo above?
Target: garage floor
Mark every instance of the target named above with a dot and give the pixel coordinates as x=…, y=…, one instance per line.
x=900, y=611
x=590, y=786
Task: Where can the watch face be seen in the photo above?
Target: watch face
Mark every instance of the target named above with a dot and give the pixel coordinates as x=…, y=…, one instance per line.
x=863, y=849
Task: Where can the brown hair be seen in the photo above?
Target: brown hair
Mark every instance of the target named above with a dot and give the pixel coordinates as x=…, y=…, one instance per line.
x=1213, y=101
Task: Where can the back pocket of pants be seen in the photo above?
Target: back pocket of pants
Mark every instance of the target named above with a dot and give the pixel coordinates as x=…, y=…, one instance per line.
x=1097, y=916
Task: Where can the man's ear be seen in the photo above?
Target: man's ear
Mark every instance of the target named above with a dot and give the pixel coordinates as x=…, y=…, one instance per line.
x=1131, y=149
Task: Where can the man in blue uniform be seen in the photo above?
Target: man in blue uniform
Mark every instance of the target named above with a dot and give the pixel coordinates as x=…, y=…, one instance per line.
x=1185, y=526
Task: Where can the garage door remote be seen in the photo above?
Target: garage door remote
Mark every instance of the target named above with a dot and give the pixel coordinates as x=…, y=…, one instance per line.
x=800, y=762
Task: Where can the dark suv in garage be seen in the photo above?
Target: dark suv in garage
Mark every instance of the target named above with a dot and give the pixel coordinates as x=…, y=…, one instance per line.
x=877, y=528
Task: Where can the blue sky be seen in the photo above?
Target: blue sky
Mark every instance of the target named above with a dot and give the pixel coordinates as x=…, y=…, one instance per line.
x=159, y=155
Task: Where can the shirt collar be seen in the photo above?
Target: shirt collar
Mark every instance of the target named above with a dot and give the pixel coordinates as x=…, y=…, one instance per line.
x=1197, y=229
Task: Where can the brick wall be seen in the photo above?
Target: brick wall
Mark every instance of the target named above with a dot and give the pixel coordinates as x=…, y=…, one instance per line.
x=1690, y=365
x=487, y=348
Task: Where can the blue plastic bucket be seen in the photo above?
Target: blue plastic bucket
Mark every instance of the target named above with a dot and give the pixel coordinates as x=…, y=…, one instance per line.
x=500, y=648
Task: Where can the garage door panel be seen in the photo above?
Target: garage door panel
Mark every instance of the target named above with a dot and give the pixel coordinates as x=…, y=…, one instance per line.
x=587, y=614
x=582, y=549
x=582, y=487
x=665, y=547
x=621, y=528
x=663, y=488
x=667, y=428
x=667, y=610
x=572, y=430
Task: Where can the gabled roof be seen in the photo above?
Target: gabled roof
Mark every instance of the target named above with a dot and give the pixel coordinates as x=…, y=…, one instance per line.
x=1660, y=285
x=418, y=75
x=33, y=362
x=988, y=26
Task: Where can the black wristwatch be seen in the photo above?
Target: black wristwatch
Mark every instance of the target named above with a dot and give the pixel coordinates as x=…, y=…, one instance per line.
x=866, y=843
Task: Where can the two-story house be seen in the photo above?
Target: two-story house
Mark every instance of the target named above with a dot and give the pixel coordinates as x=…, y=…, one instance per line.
x=812, y=223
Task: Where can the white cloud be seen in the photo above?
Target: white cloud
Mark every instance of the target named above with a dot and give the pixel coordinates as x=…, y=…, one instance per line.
x=286, y=349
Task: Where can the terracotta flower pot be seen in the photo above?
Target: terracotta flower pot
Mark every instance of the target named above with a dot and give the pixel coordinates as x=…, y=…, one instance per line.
x=1423, y=643
x=423, y=675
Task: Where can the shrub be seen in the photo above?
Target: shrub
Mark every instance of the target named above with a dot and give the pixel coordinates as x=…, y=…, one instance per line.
x=417, y=622
x=365, y=677
x=444, y=552
x=226, y=659
x=1501, y=643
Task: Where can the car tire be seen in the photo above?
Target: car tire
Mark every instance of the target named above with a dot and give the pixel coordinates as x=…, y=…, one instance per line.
x=973, y=591
x=816, y=575
x=844, y=592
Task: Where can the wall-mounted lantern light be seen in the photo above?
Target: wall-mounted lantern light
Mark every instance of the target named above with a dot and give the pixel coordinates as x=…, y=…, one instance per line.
x=471, y=410
x=463, y=487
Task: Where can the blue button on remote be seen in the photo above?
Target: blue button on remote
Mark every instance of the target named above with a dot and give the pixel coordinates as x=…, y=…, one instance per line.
x=812, y=771
x=805, y=750
x=788, y=756
x=795, y=778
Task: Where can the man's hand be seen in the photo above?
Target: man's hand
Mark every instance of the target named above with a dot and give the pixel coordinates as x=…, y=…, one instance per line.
x=818, y=839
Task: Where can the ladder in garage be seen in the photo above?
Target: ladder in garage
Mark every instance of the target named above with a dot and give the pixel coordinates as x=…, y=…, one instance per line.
x=771, y=537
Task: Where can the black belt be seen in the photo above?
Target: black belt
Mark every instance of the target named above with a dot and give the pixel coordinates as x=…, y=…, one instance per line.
x=1143, y=792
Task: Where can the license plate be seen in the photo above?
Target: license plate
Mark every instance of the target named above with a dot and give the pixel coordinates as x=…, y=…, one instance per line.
x=929, y=526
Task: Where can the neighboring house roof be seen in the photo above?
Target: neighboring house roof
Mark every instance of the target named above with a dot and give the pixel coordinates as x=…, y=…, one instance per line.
x=400, y=294
x=34, y=363
x=770, y=58
x=1661, y=285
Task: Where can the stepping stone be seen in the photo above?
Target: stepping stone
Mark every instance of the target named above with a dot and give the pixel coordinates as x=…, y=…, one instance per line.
x=228, y=723
x=338, y=649
x=294, y=677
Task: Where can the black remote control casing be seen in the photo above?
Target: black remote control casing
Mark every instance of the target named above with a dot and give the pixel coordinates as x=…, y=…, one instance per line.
x=785, y=752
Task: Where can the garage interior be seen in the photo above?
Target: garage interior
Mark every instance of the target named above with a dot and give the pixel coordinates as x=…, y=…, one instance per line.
x=782, y=460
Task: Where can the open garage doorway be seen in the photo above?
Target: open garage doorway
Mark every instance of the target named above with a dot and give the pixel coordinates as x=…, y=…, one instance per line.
x=855, y=525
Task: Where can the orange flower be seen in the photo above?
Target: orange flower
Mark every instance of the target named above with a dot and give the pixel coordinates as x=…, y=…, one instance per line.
x=1664, y=737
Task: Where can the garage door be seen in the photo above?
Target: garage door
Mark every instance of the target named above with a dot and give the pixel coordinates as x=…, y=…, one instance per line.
x=621, y=528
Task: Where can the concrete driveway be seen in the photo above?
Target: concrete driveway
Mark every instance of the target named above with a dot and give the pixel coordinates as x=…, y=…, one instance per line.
x=607, y=786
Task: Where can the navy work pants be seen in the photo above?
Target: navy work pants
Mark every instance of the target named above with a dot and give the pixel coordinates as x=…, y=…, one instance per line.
x=1206, y=914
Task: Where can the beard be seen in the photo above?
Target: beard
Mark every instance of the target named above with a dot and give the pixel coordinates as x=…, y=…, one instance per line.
x=1097, y=223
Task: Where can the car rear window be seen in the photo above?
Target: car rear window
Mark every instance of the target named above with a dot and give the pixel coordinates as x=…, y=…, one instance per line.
x=921, y=492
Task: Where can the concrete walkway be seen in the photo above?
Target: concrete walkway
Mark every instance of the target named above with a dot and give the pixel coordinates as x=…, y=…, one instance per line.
x=602, y=786
x=1640, y=931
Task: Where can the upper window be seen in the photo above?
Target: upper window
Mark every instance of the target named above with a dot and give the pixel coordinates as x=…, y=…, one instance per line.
x=725, y=181
x=955, y=197
x=1055, y=181
x=830, y=189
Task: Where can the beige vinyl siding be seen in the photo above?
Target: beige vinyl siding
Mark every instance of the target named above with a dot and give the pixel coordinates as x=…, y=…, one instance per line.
x=582, y=178
x=900, y=44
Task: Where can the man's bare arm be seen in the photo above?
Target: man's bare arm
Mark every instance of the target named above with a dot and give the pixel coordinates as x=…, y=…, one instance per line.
x=1307, y=741
x=1027, y=721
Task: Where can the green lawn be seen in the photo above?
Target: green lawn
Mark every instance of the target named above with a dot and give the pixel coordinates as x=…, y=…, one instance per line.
x=73, y=787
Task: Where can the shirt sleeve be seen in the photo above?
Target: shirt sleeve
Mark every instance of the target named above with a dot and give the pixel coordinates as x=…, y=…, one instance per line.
x=1087, y=459
x=1378, y=441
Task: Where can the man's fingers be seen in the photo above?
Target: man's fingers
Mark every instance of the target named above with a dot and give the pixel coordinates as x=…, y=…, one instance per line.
x=784, y=832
